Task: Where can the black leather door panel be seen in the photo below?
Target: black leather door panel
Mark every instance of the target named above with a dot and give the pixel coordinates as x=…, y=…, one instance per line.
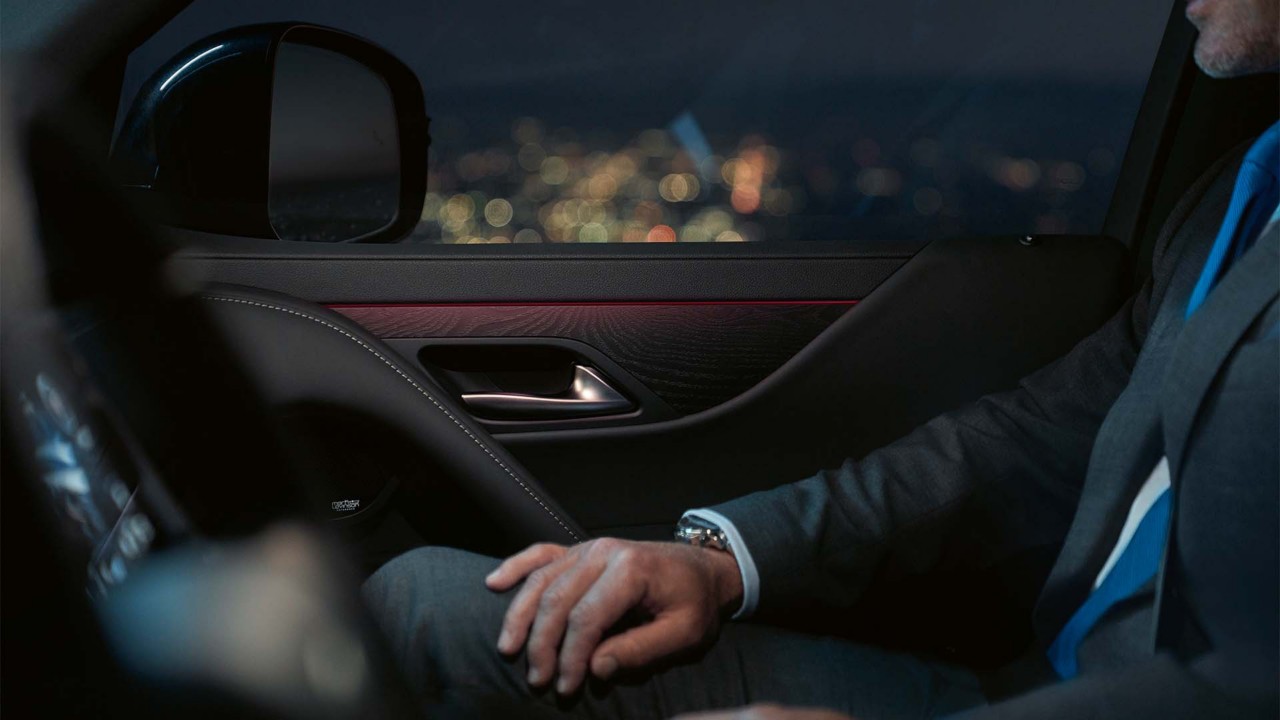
x=777, y=371
x=962, y=319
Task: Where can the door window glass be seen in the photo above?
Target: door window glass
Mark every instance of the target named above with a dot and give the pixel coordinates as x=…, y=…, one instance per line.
x=750, y=120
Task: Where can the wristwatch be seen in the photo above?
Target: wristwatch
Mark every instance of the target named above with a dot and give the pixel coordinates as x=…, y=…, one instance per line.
x=693, y=530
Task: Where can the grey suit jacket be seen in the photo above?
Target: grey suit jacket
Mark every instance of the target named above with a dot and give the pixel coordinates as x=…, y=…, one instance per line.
x=1054, y=466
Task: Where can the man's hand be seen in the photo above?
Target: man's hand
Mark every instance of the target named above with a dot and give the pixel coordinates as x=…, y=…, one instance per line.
x=573, y=595
x=767, y=712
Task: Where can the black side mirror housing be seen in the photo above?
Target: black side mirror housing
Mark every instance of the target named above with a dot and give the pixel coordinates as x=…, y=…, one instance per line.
x=284, y=130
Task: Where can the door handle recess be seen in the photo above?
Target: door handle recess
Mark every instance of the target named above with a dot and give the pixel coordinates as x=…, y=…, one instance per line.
x=589, y=396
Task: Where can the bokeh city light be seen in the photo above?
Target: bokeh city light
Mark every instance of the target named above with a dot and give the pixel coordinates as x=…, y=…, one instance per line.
x=548, y=185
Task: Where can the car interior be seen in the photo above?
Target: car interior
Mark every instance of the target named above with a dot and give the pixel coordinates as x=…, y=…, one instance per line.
x=256, y=341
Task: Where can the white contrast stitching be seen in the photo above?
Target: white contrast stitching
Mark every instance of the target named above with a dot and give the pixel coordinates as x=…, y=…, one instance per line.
x=417, y=387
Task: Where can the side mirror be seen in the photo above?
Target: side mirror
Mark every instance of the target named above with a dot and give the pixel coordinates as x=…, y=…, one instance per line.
x=283, y=131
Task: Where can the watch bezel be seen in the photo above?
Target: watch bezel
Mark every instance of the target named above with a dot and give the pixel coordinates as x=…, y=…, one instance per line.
x=701, y=533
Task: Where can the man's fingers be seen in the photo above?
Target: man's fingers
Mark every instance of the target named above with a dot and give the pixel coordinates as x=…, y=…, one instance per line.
x=571, y=597
x=518, y=566
x=604, y=604
x=557, y=601
x=642, y=645
x=523, y=607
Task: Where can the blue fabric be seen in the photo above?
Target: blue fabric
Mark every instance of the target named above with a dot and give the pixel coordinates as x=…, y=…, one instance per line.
x=1253, y=204
x=1135, y=566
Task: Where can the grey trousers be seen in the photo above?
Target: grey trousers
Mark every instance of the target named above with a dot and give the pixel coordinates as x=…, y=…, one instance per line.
x=442, y=624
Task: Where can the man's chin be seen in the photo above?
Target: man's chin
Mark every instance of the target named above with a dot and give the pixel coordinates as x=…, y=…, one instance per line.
x=1215, y=66
x=1220, y=64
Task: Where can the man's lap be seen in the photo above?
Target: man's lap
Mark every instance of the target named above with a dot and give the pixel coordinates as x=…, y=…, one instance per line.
x=442, y=624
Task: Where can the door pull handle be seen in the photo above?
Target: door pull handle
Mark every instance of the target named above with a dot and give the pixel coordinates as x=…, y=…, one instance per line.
x=589, y=396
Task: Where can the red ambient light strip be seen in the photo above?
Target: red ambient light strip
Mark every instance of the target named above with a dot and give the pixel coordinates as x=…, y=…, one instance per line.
x=606, y=303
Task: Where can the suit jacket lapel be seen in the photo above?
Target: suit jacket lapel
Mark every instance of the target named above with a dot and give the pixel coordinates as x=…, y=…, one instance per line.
x=1099, y=517
x=1154, y=416
x=1210, y=335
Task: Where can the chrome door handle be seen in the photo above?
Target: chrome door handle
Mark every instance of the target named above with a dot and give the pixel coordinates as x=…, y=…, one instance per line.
x=588, y=396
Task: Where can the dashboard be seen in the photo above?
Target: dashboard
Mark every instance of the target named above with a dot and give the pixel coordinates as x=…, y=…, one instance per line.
x=93, y=479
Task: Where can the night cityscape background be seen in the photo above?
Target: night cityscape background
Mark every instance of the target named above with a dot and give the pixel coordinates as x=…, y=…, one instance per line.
x=729, y=122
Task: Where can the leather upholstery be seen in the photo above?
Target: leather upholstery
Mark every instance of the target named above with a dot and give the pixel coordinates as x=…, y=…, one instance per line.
x=299, y=352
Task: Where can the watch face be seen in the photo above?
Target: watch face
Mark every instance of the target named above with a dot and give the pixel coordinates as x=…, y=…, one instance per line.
x=696, y=524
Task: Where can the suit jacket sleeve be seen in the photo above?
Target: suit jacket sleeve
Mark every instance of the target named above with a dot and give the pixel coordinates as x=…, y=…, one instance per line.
x=997, y=476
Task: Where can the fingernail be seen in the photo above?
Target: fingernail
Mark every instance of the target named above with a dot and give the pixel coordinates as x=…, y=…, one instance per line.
x=491, y=577
x=562, y=686
x=535, y=676
x=606, y=667
x=504, y=641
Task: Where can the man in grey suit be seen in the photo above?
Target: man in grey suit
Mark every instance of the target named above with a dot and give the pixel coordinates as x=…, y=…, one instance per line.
x=1153, y=445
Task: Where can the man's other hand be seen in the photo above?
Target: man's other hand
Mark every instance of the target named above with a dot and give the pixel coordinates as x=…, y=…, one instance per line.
x=767, y=712
x=572, y=596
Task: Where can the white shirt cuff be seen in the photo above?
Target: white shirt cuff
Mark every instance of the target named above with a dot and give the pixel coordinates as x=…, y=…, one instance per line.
x=746, y=566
